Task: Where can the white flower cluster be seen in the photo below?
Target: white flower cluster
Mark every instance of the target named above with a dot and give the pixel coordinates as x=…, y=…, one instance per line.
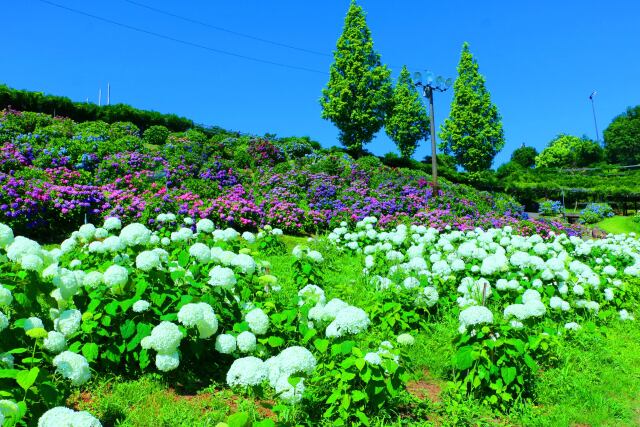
x=165, y=339
x=474, y=315
x=200, y=315
x=62, y=416
x=420, y=260
x=73, y=367
x=300, y=251
x=258, y=321
x=277, y=370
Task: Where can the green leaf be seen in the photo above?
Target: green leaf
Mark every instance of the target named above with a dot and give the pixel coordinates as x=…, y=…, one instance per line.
x=183, y=259
x=90, y=351
x=508, y=374
x=321, y=345
x=464, y=357
x=25, y=379
x=360, y=364
x=128, y=328
x=363, y=418
x=275, y=341
x=8, y=373
x=239, y=419
x=112, y=307
x=358, y=395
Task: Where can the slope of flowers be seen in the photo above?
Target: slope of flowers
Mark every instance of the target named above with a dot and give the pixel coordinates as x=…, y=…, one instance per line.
x=54, y=173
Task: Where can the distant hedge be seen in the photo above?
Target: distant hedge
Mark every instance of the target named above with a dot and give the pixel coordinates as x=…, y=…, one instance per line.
x=82, y=112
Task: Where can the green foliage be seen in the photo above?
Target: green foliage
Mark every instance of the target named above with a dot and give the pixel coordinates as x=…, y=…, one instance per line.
x=499, y=366
x=156, y=135
x=622, y=138
x=81, y=112
x=595, y=212
x=569, y=151
x=524, y=156
x=349, y=388
x=407, y=122
x=357, y=96
x=473, y=131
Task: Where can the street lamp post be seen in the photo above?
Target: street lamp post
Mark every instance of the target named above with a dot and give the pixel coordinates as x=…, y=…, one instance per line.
x=428, y=86
x=593, y=108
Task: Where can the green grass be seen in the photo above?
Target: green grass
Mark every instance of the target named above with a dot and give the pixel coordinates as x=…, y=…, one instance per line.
x=619, y=224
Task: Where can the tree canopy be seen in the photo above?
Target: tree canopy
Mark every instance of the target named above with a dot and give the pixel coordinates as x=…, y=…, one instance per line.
x=473, y=131
x=622, y=138
x=407, y=121
x=570, y=151
x=359, y=90
x=524, y=156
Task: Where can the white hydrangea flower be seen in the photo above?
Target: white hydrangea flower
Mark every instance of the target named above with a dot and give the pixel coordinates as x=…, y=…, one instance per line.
x=222, y=276
x=68, y=322
x=93, y=279
x=247, y=372
x=87, y=231
x=205, y=226
x=4, y=321
x=167, y=361
x=428, y=297
x=405, y=340
x=135, y=234
x=115, y=276
x=311, y=294
x=32, y=262
x=225, y=343
x=246, y=342
x=572, y=326
x=182, y=235
x=101, y=233
x=73, y=367
x=245, y=263
x=165, y=338
x=55, y=342
x=624, y=315
x=6, y=360
x=350, y=320
x=61, y=416
x=112, y=223
x=315, y=256
x=32, y=323
x=200, y=315
x=165, y=241
x=287, y=392
x=6, y=235
x=22, y=246
x=474, y=315
x=410, y=283
x=249, y=237
x=140, y=306
x=113, y=244
x=200, y=252
x=5, y=296
x=258, y=321
x=147, y=261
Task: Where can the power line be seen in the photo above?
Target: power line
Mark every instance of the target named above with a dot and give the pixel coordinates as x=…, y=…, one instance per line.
x=184, y=42
x=235, y=33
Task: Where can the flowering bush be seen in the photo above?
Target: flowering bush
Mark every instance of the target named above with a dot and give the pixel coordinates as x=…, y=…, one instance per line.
x=595, y=212
x=550, y=207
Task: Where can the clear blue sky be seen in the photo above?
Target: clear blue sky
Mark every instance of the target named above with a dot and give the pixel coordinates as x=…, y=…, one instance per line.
x=541, y=59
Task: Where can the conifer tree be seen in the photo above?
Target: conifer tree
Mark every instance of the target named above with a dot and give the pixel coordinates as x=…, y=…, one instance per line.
x=407, y=121
x=357, y=96
x=473, y=132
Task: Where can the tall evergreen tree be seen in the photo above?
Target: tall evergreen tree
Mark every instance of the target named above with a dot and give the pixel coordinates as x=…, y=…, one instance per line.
x=357, y=96
x=407, y=121
x=473, y=132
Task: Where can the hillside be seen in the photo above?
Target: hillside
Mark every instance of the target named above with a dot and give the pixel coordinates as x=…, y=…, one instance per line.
x=57, y=173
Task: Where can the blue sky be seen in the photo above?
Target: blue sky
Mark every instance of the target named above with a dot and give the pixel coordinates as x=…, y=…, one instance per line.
x=541, y=60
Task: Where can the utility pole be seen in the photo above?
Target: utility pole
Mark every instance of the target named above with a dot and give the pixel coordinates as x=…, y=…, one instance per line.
x=441, y=85
x=99, y=97
x=108, y=93
x=593, y=108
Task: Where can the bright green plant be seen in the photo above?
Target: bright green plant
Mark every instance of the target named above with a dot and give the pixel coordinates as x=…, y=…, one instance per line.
x=348, y=388
x=498, y=365
x=622, y=138
x=156, y=135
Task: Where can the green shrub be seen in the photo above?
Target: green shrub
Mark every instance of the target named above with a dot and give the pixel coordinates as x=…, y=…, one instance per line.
x=156, y=135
